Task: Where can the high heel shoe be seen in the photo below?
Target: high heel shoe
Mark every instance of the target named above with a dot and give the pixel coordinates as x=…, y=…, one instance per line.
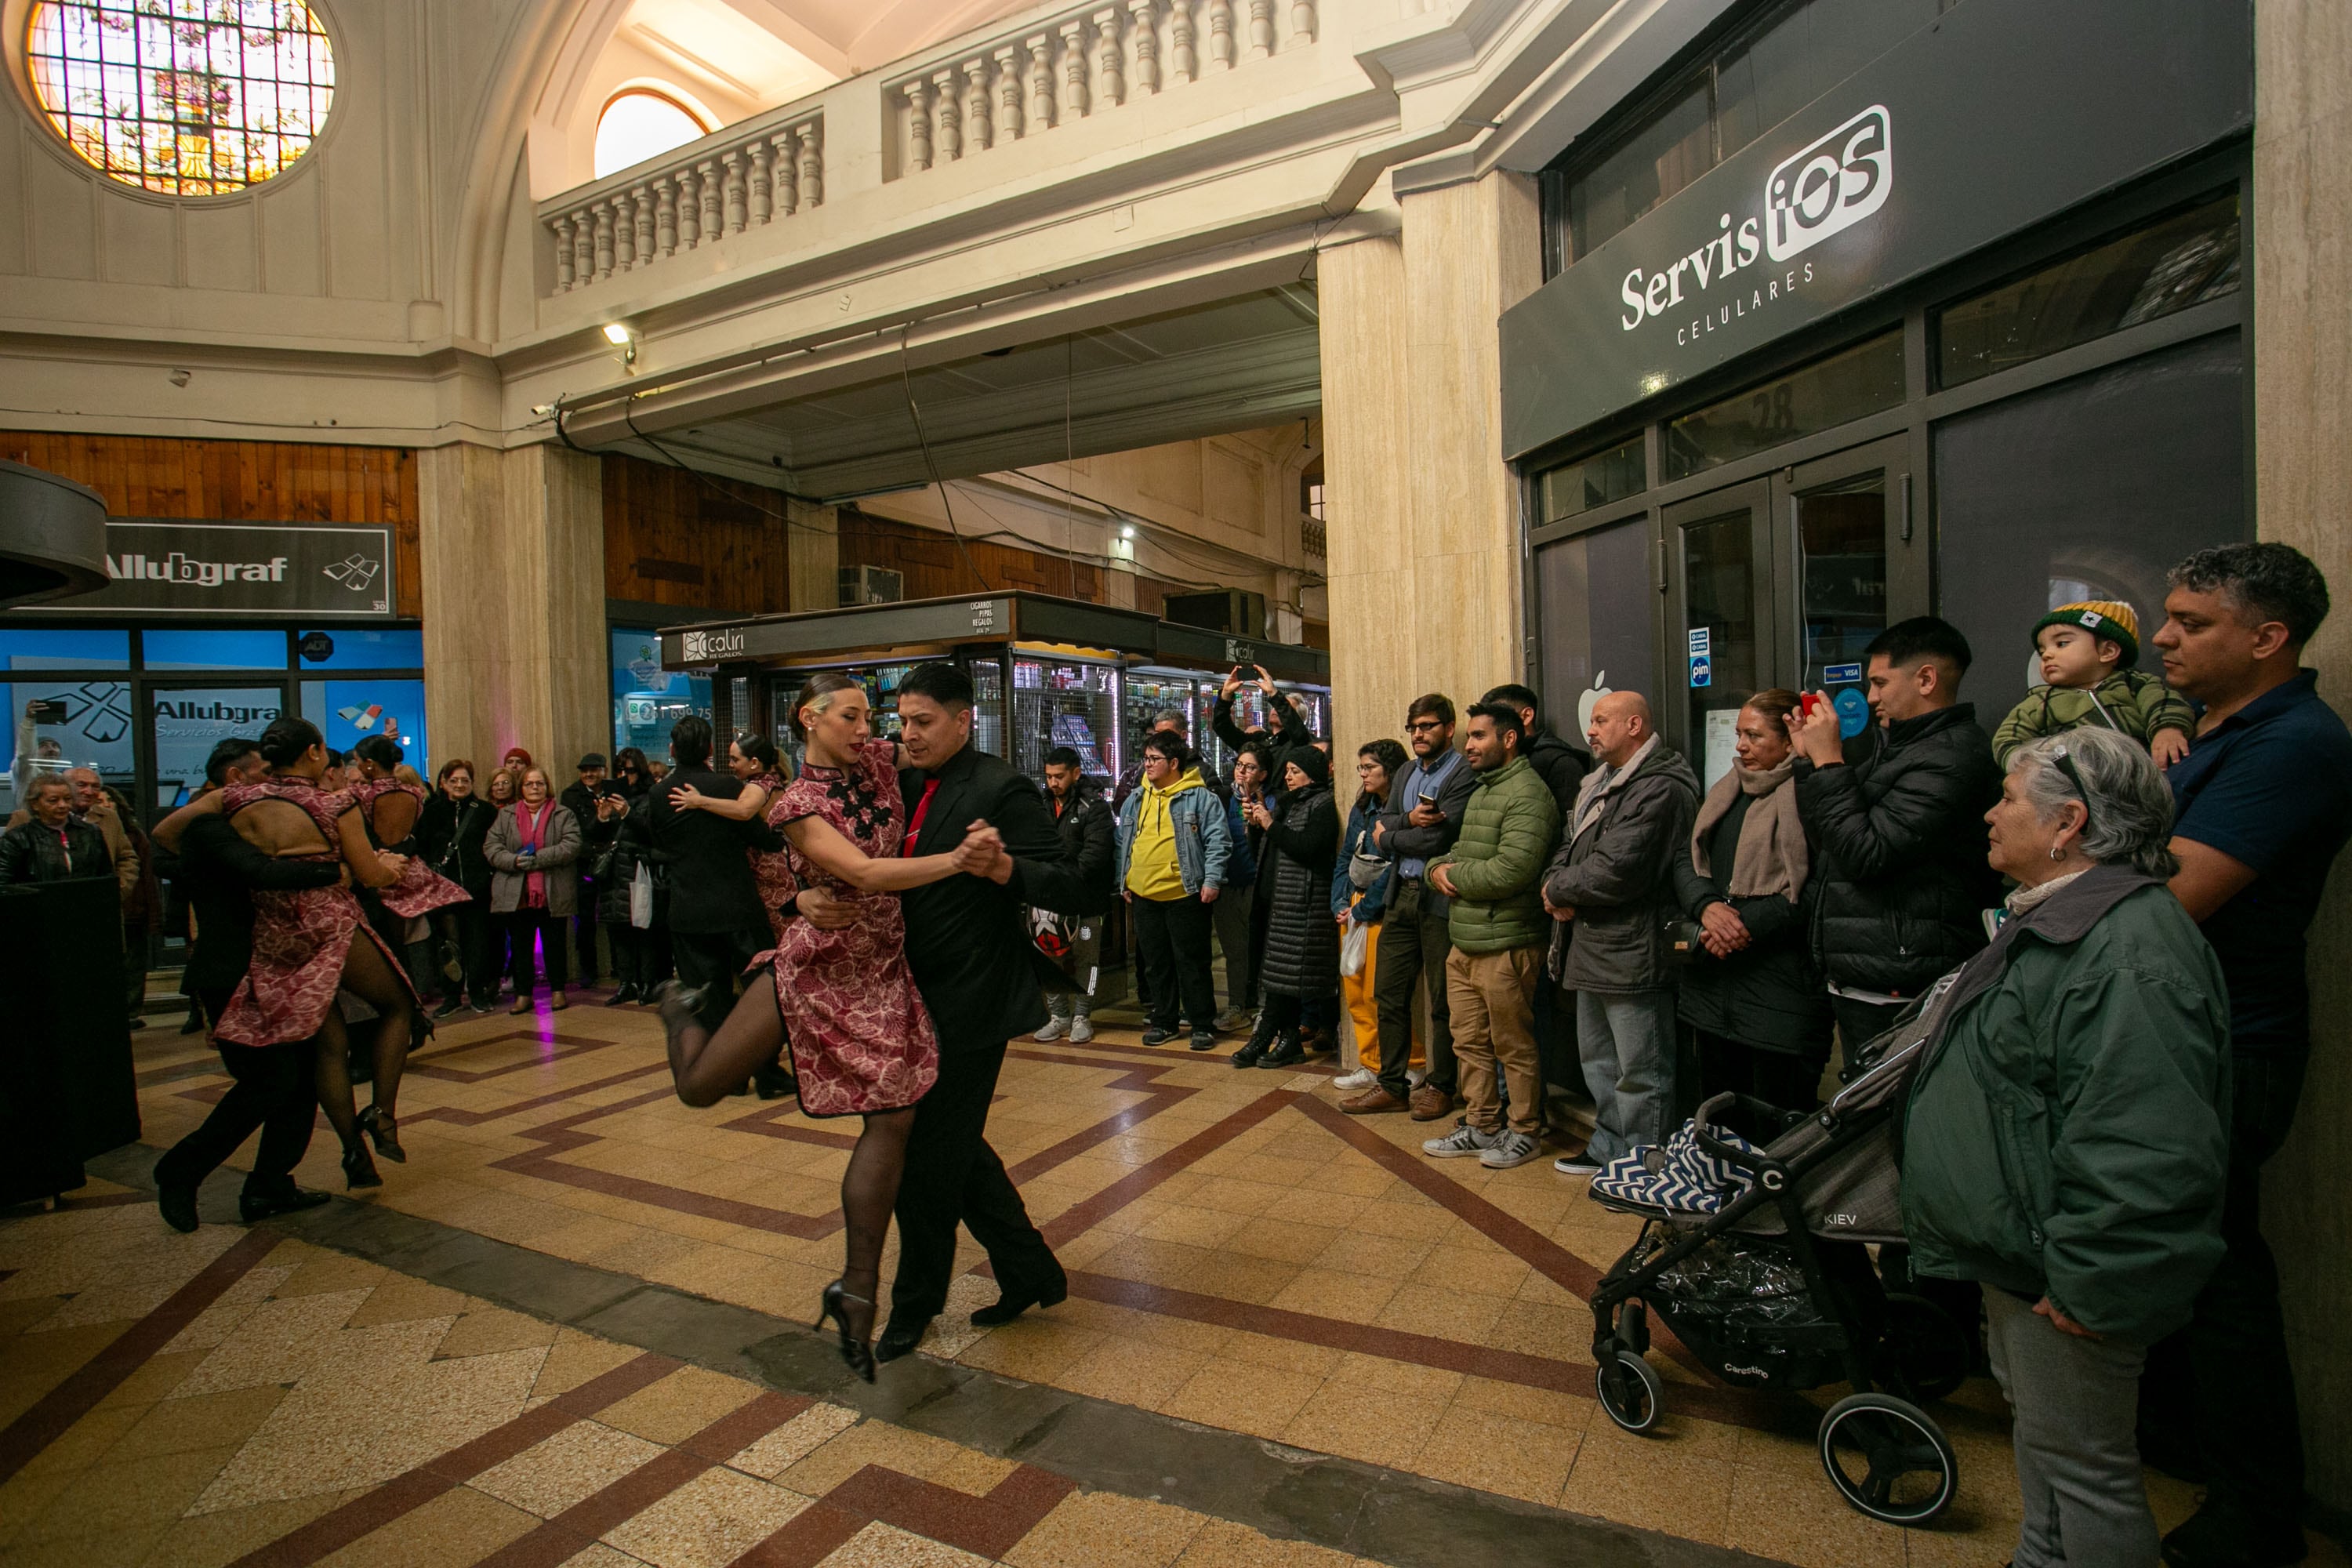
x=358, y=1170
x=855, y=1350
x=383, y=1130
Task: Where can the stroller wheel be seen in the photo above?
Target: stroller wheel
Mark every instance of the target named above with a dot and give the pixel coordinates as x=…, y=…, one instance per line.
x=1888, y=1458
x=1923, y=1353
x=1630, y=1390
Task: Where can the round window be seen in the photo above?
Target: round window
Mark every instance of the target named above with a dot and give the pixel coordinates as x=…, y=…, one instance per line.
x=189, y=98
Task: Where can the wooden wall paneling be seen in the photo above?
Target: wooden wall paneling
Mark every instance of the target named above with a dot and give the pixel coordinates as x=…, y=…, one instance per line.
x=242, y=481
x=674, y=537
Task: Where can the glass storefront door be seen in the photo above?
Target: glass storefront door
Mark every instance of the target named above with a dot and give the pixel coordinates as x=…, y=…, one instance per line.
x=1783, y=580
x=186, y=721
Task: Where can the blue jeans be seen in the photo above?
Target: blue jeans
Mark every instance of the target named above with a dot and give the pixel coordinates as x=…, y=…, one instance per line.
x=1627, y=1043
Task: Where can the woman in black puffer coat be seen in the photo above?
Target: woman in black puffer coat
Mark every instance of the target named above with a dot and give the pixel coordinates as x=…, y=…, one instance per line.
x=1298, y=950
x=638, y=950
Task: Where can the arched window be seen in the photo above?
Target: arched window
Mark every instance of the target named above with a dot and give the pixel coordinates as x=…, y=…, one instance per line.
x=640, y=124
x=191, y=98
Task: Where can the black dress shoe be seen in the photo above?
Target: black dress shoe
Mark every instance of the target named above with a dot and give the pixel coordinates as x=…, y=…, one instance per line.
x=774, y=1083
x=898, y=1340
x=1012, y=1304
x=621, y=997
x=1286, y=1052
x=178, y=1204
x=294, y=1200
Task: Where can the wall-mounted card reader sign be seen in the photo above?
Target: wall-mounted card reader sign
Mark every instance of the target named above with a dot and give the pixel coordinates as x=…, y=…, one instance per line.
x=1841, y=674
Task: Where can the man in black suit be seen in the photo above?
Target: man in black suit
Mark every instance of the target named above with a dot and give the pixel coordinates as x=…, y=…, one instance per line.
x=980, y=975
x=216, y=867
x=716, y=923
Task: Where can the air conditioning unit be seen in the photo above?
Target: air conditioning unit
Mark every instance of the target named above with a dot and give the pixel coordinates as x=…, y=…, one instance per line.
x=1237, y=611
x=872, y=586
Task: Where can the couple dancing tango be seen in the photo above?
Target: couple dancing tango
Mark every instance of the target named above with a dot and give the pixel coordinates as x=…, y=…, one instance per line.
x=902, y=973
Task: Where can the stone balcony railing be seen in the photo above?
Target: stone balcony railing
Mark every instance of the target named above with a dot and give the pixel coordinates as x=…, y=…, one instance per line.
x=1050, y=68
x=754, y=173
x=1088, y=60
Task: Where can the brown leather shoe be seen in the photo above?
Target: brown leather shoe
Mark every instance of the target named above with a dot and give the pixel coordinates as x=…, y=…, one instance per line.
x=1371, y=1102
x=1429, y=1103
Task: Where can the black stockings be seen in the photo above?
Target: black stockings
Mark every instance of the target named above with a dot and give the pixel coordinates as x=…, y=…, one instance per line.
x=708, y=1065
x=370, y=975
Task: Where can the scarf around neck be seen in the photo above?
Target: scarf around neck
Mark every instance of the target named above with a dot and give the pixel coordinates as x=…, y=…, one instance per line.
x=531, y=824
x=1772, y=857
x=1602, y=782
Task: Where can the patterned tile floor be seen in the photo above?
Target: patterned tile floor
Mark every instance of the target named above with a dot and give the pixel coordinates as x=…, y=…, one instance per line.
x=1243, y=1258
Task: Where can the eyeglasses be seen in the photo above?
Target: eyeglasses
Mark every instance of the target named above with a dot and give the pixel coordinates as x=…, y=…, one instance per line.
x=2065, y=765
x=1421, y=726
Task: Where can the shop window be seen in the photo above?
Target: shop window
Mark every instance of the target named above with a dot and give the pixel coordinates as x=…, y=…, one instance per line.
x=641, y=124
x=213, y=650
x=1594, y=480
x=359, y=647
x=2181, y=260
x=1597, y=601
x=1861, y=380
x=2088, y=490
x=1772, y=67
x=349, y=711
x=23, y=649
x=648, y=700
x=188, y=98
x=190, y=720
x=65, y=723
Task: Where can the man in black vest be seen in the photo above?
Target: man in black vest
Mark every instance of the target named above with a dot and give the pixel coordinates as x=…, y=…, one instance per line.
x=273, y=1088
x=716, y=923
x=980, y=975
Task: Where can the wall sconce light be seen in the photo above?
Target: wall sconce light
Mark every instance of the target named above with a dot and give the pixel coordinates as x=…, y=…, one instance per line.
x=1127, y=531
x=618, y=334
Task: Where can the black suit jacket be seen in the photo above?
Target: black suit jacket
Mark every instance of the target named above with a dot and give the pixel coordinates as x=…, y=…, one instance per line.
x=218, y=868
x=966, y=940
x=710, y=885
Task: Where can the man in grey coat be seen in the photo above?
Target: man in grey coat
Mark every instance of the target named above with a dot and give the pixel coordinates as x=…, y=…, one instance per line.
x=1610, y=888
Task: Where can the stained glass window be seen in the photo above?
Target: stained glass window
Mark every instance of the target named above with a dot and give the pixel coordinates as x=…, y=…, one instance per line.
x=189, y=98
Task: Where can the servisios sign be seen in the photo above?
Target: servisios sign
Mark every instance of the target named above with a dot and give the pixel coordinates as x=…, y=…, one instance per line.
x=1816, y=191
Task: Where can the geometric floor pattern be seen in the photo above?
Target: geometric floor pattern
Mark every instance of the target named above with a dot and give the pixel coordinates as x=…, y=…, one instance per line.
x=1242, y=1257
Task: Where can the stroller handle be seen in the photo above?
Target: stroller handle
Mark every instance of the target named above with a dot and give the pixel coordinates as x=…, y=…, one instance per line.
x=1702, y=1133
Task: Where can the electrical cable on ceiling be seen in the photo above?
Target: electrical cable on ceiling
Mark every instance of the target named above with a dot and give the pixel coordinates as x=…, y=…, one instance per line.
x=629, y=417
x=906, y=379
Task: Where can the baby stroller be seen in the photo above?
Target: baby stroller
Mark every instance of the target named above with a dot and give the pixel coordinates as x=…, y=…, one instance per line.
x=1755, y=1256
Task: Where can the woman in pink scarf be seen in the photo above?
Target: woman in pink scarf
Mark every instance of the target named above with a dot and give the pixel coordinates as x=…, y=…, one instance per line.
x=533, y=849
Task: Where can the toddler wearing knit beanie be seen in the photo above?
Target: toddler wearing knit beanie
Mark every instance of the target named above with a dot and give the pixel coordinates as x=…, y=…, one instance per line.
x=2090, y=653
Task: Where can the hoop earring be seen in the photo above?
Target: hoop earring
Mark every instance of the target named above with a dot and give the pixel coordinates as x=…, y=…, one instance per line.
x=2057, y=852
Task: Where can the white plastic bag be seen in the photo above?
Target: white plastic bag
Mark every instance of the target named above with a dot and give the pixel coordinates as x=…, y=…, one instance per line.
x=1354, y=948
x=641, y=897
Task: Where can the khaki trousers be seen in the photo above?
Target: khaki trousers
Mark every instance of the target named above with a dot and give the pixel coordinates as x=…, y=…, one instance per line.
x=1492, y=996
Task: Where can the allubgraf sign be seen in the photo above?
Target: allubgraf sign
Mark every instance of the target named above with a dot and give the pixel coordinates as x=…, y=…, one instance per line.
x=318, y=573
x=1999, y=115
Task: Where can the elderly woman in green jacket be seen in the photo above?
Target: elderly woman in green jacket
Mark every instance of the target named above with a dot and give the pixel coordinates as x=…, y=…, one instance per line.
x=2066, y=1139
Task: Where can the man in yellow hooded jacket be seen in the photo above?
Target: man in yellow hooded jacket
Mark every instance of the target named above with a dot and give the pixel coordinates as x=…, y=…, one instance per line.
x=1172, y=845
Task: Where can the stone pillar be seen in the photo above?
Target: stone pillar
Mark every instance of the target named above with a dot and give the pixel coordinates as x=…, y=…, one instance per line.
x=1423, y=512
x=2302, y=216
x=812, y=560
x=1367, y=513
x=512, y=549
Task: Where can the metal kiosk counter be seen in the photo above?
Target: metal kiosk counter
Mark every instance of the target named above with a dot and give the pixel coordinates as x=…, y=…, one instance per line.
x=1191, y=667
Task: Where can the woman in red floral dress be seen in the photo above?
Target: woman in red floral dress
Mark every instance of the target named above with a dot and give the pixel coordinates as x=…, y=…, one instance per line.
x=860, y=1039
x=306, y=944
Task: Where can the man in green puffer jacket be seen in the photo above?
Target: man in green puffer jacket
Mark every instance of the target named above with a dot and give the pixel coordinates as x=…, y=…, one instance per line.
x=1497, y=927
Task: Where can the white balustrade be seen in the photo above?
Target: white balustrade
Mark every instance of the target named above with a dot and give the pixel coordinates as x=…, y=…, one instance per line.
x=754, y=175
x=1086, y=61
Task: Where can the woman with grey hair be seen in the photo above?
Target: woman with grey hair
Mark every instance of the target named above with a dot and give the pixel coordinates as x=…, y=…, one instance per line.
x=2066, y=1139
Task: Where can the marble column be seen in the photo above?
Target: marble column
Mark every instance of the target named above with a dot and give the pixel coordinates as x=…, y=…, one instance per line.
x=511, y=545
x=2302, y=216
x=1423, y=512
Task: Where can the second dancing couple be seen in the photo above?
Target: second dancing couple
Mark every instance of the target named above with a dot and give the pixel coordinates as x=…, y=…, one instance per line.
x=898, y=984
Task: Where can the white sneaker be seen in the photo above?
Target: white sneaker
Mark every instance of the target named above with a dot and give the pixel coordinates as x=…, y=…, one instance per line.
x=1054, y=1030
x=1081, y=1030
x=1460, y=1143
x=1362, y=1078
x=1511, y=1149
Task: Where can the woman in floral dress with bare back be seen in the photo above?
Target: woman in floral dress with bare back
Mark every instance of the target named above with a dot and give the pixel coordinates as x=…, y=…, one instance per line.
x=309, y=943
x=861, y=1041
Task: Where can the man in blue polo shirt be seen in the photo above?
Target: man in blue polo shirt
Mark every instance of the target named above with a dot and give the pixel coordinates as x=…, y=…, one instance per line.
x=2262, y=804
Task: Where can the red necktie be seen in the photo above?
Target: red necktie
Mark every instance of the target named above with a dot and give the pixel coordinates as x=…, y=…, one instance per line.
x=914, y=825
